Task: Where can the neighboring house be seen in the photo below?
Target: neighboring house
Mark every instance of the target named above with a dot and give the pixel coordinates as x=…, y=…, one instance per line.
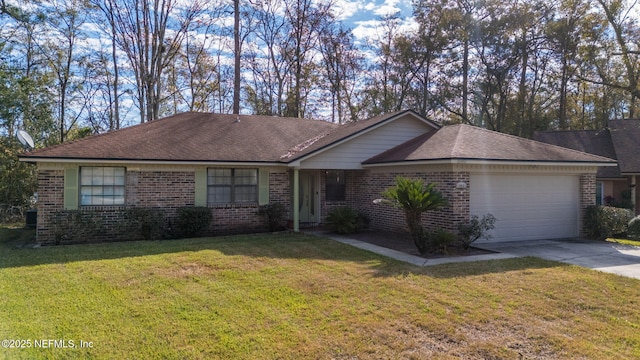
x=233, y=164
x=621, y=141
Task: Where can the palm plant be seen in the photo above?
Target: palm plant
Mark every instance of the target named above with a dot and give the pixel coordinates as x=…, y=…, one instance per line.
x=415, y=198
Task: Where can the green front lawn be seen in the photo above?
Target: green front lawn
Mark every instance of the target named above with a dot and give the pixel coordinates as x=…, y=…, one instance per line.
x=296, y=296
x=625, y=241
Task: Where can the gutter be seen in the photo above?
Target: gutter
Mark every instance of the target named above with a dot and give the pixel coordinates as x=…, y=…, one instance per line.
x=36, y=160
x=489, y=162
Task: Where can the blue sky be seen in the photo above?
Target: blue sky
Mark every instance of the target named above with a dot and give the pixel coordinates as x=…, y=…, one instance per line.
x=363, y=16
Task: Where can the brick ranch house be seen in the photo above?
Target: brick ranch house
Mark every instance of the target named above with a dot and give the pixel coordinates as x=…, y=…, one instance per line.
x=233, y=164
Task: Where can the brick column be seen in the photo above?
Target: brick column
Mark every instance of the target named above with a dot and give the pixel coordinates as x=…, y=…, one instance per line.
x=587, y=197
x=50, y=200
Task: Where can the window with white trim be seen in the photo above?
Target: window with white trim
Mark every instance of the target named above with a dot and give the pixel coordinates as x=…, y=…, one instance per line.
x=102, y=185
x=232, y=186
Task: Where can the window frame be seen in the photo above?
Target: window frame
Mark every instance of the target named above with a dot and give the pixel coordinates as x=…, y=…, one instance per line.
x=234, y=185
x=338, y=187
x=600, y=193
x=99, y=183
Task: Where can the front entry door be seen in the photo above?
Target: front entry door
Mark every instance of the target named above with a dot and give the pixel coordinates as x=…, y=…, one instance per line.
x=308, y=206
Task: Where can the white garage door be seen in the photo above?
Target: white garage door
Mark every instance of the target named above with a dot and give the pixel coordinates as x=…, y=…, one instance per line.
x=527, y=207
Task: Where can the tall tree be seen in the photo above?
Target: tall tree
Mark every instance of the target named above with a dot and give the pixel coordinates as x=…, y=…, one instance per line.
x=281, y=54
x=343, y=63
x=626, y=33
x=150, y=33
x=112, y=70
x=236, y=56
x=62, y=51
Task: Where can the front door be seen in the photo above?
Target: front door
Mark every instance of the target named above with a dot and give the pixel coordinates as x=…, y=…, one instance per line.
x=308, y=206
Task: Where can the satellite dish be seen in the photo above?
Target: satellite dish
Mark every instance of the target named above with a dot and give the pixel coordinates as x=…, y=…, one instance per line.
x=25, y=139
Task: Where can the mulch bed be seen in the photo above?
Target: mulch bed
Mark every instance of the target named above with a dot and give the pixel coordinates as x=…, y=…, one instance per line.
x=402, y=242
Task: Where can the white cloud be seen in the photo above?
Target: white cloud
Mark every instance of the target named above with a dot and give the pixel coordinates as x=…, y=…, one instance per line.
x=375, y=29
x=388, y=7
x=346, y=9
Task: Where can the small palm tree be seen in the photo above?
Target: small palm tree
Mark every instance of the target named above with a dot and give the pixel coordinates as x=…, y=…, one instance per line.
x=415, y=198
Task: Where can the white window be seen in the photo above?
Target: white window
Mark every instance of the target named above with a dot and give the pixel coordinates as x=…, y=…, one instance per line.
x=232, y=186
x=102, y=185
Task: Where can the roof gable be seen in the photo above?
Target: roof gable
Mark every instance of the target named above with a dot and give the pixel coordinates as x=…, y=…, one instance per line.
x=465, y=142
x=351, y=130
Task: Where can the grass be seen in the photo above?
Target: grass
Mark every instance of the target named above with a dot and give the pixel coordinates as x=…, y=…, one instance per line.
x=291, y=296
x=625, y=241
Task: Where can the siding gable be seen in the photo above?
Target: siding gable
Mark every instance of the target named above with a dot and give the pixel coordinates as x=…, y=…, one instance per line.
x=350, y=154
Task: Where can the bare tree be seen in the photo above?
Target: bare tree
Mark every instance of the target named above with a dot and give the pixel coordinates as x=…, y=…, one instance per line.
x=626, y=32
x=343, y=63
x=150, y=33
x=60, y=48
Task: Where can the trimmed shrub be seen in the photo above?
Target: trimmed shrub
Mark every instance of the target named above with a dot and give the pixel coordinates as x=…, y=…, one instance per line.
x=440, y=240
x=146, y=223
x=343, y=220
x=606, y=221
x=274, y=213
x=75, y=226
x=193, y=220
x=476, y=229
x=634, y=228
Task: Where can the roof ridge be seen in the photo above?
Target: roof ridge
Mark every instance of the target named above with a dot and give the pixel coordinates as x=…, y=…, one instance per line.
x=457, y=142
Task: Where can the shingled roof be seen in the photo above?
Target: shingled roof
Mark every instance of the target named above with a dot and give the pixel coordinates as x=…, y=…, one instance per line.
x=597, y=142
x=621, y=141
x=465, y=142
x=625, y=136
x=194, y=137
x=207, y=137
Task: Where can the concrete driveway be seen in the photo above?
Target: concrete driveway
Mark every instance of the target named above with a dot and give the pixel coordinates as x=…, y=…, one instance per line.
x=599, y=255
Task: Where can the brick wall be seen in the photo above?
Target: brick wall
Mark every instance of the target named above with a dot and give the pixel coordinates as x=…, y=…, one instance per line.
x=163, y=190
x=350, y=194
x=364, y=187
x=280, y=188
x=587, y=197
x=50, y=201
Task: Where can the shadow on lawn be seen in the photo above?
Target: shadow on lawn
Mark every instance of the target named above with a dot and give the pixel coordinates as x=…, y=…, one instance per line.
x=278, y=246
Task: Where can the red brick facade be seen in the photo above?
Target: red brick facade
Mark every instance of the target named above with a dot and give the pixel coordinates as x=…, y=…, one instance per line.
x=587, y=197
x=169, y=190
x=369, y=186
x=50, y=201
x=165, y=191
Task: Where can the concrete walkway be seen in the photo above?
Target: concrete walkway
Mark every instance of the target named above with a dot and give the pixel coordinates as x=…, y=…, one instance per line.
x=598, y=255
x=412, y=259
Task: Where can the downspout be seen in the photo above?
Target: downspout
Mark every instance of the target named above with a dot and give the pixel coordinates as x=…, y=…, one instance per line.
x=296, y=199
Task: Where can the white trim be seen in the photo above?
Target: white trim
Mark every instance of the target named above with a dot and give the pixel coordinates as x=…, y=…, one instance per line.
x=297, y=162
